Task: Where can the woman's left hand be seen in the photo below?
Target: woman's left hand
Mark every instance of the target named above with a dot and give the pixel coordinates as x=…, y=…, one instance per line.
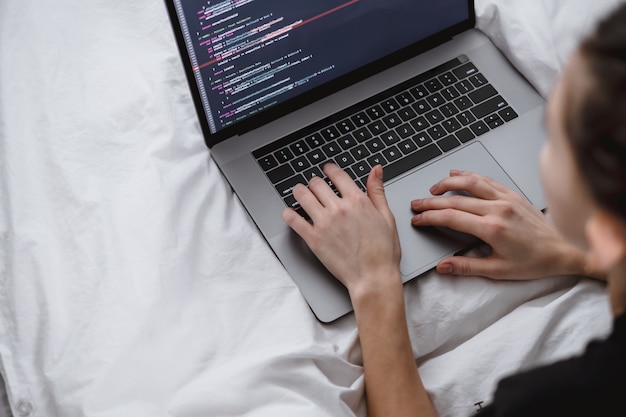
x=354, y=235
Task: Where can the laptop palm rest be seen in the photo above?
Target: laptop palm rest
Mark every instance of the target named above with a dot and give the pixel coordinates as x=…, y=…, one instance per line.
x=422, y=248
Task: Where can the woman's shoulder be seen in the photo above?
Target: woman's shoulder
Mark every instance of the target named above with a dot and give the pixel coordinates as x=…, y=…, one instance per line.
x=589, y=384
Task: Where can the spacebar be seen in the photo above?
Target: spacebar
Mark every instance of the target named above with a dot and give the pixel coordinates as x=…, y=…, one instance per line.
x=410, y=161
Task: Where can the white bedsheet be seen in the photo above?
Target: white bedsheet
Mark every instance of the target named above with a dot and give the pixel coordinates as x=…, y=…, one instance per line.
x=132, y=282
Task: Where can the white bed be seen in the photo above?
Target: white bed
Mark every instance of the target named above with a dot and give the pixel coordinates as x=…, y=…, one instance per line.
x=132, y=281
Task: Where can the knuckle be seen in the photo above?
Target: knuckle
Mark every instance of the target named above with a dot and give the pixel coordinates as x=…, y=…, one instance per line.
x=494, y=226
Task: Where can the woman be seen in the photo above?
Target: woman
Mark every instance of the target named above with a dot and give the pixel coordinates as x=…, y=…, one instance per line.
x=583, y=168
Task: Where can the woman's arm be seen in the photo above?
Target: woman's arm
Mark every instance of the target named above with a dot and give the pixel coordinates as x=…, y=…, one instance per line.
x=525, y=245
x=355, y=237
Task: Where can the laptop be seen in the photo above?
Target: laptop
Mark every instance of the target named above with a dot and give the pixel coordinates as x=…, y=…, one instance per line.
x=282, y=87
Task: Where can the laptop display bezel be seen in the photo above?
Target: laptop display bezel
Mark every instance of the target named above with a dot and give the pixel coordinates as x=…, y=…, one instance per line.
x=288, y=106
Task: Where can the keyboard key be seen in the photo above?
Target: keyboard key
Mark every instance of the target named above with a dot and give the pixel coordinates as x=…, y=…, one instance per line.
x=410, y=161
x=451, y=125
x=312, y=173
x=390, y=138
x=466, y=118
x=345, y=126
x=360, y=152
x=434, y=116
x=463, y=103
x=490, y=106
x=316, y=156
x=405, y=98
x=482, y=93
x=376, y=159
x=344, y=160
x=407, y=114
x=268, y=162
x=436, y=132
x=448, y=110
x=421, y=107
x=285, y=187
x=283, y=155
x=390, y=105
x=290, y=201
x=433, y=85
x=360, y=119
x=346, y=142
x=464, y=135
x=299, y=148
x=361, y=168
x=300, y=164
x=447, y=78
x=391, y=154
x=507, y=114
x=330, y=133
x=392, y=121
x=279, y=174
x=362, y=134
x=351, y=173
x=435, y=100
x=465, y=70
x=377, y=127
x=422, y=139
x=374, y=145
x=493, y=121
x=464, y=86
x=375, y=112
x=420, y=124
x=405, y=131
x=479, y=128
x=419, y=92
x=407, y=146
x=315, y=140
x=478, y=80
x=331, y=149
x=450, y=93
x=448, y=143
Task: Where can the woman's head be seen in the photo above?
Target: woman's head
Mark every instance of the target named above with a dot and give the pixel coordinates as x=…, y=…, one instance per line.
x=595, y=122
x=584, y=161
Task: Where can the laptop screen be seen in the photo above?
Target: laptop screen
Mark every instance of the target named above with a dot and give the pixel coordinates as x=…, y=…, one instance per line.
x=250, y=56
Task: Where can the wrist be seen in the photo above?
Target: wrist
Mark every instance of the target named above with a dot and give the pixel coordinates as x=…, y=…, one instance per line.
x=382, y=287
x=575, y=262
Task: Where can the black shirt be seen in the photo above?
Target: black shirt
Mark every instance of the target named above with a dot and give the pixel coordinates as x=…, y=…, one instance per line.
x=593, y=384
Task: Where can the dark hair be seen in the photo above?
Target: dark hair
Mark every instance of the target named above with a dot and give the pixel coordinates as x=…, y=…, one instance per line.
x=596, y=123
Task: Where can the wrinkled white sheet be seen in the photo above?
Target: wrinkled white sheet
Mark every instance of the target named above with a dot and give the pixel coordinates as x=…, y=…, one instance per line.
x=132, y=282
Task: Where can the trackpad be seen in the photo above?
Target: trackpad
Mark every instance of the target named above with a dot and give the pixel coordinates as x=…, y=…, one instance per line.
x=422, y=248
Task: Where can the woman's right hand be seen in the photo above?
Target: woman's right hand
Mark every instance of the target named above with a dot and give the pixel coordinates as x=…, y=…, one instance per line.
x=525, y=245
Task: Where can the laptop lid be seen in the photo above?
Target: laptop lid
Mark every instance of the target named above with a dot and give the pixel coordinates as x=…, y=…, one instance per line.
x=249, y=62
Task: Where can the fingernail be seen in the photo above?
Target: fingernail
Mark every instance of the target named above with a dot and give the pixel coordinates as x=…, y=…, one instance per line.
x=416, y=202
x=445, y=269
x=415, y=219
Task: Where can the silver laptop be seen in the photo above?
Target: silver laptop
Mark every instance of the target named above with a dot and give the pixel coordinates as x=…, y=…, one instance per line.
x=281, y=87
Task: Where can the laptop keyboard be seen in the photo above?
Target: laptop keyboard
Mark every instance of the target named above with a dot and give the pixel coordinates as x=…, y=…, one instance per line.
x=400, y=128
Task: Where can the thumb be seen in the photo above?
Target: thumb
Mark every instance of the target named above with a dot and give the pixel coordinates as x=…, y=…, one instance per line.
x=376, y=190
x=463, y=265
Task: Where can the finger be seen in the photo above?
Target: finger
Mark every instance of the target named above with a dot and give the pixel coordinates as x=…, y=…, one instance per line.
x=325, y=195
x=458, y=220
x=473, y=184
x=495, y=184
x=468, y=204
x=462, y=265
x=297, y=223
x=342, y=181
x=376, y=190
x=307, y=200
